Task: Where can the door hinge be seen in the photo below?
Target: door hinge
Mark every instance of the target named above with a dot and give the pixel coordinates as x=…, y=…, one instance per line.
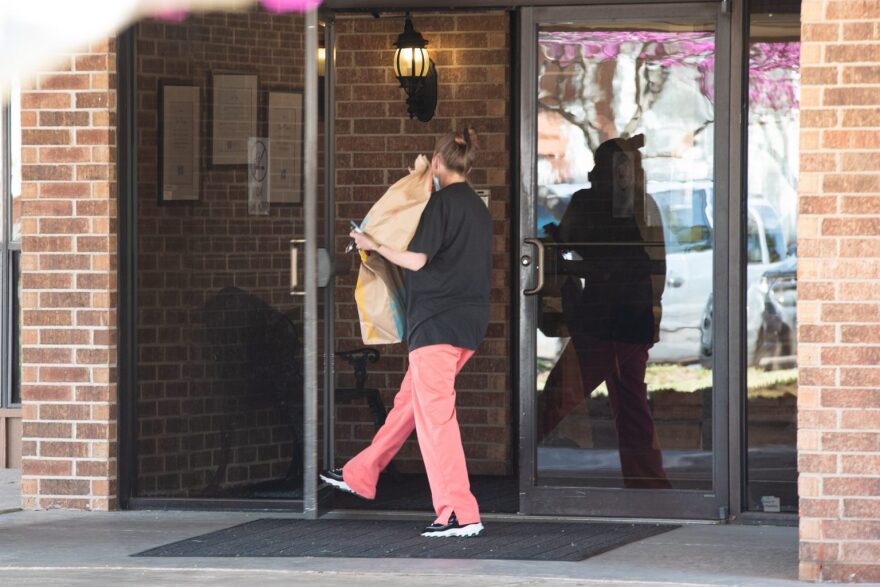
x=725, y=6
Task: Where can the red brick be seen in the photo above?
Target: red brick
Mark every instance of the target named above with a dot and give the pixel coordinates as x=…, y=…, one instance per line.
x=867, y=508
x=814, y=463
x=46, y=393
x=46, y=318
x=851, y=398
x=851, y=529
x=851, y=441
x=818, y=508
x=64, y=449
x=63, y=118
x=64, y=81
x=45, y=137
x=45, y=356
x=47, y=430
x=64, y=374
x=859, y=334
x=64, y=154
x=92, y=62
x=859, y=376
x=851, y=572
x=95, y=137
x=64, y=487
x=850, y=312
x=851, y=356
x=43, y=100
x=45, y=468
x=853, y=10
x=47, y=172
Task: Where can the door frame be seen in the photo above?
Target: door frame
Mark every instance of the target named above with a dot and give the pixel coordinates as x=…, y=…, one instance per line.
x=679, y=504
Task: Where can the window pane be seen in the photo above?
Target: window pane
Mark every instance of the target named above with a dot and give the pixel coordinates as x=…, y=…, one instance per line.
x=771, y=281
x=625, y=189
x=15, y=380
x=15, y=163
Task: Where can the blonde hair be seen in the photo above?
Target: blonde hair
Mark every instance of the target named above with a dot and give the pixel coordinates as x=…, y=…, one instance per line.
x=457, y=150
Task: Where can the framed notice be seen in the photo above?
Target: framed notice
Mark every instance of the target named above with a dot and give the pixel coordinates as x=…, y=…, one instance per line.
x=284, y=129
x=233, y=117
x=179, y=145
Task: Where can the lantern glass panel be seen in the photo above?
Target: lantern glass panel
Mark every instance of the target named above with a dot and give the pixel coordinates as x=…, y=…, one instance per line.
x=411, y=62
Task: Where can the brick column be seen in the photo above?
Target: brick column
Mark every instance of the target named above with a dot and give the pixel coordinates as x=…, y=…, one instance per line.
x=69, y=284
x=839, y=292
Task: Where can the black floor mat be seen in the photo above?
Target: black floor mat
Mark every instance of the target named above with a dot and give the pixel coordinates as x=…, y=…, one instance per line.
x=272, y=537
x=403, y=492
x=496, y=495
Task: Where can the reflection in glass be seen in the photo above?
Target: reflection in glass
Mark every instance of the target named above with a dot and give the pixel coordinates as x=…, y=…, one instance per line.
x=220, y=358
x=625, y=190
x=771, y=271
x=14, y=177
x=15, y=379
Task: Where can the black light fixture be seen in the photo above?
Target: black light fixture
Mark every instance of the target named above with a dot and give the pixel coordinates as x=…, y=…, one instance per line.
x=416, y=72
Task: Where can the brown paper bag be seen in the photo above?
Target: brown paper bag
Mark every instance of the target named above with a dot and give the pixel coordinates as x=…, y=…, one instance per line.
x=392, y=221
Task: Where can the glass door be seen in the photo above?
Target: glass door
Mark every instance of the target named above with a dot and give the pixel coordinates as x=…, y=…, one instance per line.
x=228, y=238
x=624, y=189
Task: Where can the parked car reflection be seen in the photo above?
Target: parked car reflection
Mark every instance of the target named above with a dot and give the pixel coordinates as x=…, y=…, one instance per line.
x=686, y=215
x=771, y=320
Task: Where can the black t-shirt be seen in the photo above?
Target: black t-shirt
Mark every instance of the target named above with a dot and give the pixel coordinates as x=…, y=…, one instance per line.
x=447, y=300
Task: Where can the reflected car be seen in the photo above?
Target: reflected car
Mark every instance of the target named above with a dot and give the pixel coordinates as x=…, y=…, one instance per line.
x=685, y=330
x=771, y=320
x=686, y=213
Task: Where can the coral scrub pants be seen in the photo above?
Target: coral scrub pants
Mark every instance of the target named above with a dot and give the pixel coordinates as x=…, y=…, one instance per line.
x=426, y=404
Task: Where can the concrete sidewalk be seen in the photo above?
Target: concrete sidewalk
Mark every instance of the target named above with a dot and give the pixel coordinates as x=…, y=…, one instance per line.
x=10, y=490
x=76, y=548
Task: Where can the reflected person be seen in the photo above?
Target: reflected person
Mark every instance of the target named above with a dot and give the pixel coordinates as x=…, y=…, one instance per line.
x=615, y=264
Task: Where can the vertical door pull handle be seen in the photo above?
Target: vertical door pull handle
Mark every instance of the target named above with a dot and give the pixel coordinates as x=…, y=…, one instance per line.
x=294, y=267
x=539, y=265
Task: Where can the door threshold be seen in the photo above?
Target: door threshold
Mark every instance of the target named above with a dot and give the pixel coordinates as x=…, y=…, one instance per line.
x=348, y=514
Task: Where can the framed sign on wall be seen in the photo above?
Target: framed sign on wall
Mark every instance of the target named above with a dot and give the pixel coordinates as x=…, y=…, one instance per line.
x=179, y=142
x=233, y=117
x=284, y=129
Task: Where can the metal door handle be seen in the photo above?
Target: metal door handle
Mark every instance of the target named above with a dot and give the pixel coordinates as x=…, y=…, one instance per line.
x=539, y=265
x=294, y=267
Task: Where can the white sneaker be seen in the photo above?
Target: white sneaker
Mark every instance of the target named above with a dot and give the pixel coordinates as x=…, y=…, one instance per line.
x=334, y=478
x=453, y=529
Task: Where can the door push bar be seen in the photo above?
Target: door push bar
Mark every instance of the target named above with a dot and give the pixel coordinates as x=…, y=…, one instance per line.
x=525, y=261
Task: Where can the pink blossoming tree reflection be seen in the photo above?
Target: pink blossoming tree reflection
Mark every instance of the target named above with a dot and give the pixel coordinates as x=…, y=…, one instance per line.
x=578, y=71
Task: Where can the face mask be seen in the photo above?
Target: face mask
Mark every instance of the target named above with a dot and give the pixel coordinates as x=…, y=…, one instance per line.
x=436, y=184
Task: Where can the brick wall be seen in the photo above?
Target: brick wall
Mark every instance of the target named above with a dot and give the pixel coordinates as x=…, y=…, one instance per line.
x=69, y=284
x=375, y=143
x=839, y=292
x=220, y=378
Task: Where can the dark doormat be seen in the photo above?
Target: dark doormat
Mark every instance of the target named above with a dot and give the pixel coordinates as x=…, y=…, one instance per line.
x=544, y=541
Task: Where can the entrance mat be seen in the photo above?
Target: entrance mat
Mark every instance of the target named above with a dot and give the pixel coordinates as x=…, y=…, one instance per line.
x=540, y=541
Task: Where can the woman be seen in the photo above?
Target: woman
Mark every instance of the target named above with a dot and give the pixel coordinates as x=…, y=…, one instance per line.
x=448, y=266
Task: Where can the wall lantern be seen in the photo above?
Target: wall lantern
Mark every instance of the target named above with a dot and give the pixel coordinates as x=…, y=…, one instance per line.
x=416, y=72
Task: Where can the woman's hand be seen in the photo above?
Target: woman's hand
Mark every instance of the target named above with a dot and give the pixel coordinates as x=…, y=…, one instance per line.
x=363, y=241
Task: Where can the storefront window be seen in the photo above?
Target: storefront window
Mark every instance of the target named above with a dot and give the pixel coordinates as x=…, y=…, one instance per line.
x=10, y=250
x=771, y=270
